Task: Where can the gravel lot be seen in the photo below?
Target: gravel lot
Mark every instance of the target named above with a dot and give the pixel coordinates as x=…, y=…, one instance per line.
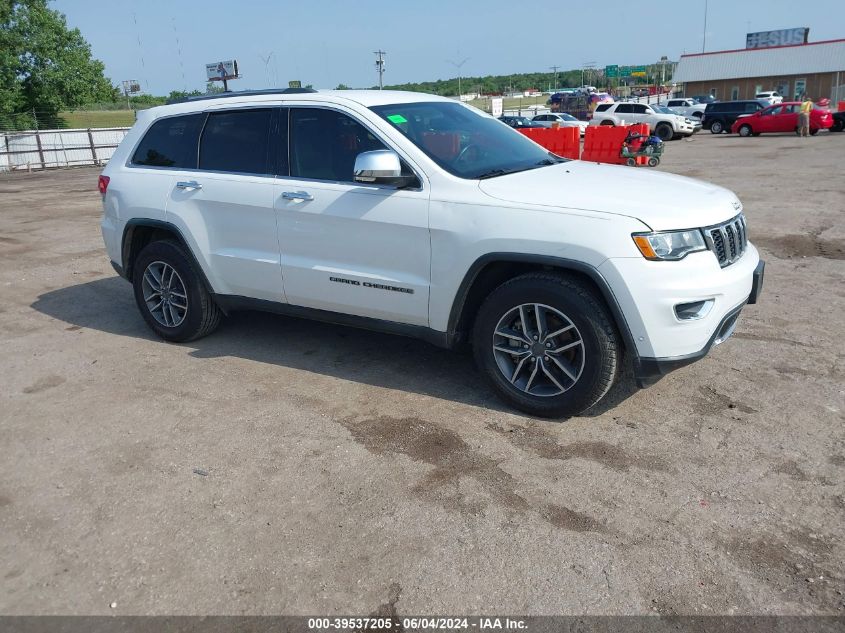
x=352, y=472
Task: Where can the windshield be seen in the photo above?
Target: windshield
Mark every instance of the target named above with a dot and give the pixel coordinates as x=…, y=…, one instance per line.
x=463, y=141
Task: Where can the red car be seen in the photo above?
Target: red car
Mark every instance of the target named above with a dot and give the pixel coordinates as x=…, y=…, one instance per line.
x=782, y=117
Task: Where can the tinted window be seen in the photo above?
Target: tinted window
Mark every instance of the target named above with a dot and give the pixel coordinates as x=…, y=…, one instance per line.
x=753, y=106
x=602, y=107
x=170, y=142
x=639, y=109
x=462, y=141
x=324, y=144
x=236, y=141
x=625, y=108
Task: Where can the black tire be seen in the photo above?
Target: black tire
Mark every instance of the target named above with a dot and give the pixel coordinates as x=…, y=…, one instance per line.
x=814, y=131
x=606, y=122
x=631, y=162
x=202, y=315
x=745, y=130
x=664, y=132
x=717, y=127
x=601, y=346
x=838, y=125
x=653, y=161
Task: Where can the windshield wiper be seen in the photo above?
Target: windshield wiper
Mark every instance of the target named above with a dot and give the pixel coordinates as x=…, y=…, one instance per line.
x=495, y=172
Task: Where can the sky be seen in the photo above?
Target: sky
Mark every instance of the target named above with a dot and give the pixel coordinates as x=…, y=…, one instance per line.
x=166, y=44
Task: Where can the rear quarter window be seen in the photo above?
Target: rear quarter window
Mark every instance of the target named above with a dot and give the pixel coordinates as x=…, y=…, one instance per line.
x=170, y=142
x=603, y=106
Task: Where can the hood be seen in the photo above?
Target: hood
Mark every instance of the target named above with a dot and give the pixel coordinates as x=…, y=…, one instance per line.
x=662, y=201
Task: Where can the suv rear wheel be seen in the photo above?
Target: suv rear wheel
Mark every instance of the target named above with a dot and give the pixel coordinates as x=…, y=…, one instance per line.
x=547, y=344
x=717, y=127
x=171, y=295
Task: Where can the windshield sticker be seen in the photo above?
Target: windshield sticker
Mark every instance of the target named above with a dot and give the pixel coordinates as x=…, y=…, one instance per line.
x=397, y=119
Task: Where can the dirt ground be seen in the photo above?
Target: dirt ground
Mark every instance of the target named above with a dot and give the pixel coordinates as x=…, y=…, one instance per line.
x=342, y=471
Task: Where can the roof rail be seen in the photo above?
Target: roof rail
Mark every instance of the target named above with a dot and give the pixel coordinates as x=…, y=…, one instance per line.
x=244, y=93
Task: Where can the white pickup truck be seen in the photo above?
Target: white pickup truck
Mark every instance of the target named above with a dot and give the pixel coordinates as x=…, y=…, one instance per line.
x=666, y=126
x=687, y=107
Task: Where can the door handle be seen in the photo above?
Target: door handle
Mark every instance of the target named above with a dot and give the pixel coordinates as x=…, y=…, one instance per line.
x=188, y=184
x=297, y=195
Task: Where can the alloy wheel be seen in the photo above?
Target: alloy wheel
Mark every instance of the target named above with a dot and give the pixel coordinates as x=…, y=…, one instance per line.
x=538, y=349
x=165, y=294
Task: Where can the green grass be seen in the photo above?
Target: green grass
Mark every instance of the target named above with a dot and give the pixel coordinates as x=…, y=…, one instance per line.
x=98, y=118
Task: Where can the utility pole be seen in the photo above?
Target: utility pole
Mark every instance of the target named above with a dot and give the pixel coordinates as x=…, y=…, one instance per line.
x=458, y=66
x=704, y=34
x=380, y=67
x=554, y=70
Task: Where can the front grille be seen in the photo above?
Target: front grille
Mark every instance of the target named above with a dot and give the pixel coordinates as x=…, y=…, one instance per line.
x=727, y=240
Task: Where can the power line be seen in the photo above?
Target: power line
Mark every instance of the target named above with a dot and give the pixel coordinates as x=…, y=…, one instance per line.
x=380, y=67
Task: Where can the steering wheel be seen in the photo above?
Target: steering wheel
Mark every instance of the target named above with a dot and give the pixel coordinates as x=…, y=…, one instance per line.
x=460, y=157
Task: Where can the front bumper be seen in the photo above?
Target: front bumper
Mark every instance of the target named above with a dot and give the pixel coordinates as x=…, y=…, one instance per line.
x=648, y=371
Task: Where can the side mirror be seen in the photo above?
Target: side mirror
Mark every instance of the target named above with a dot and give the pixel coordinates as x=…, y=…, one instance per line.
x=381, y=167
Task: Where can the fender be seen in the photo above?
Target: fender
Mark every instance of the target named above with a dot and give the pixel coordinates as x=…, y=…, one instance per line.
x=541, y=260
x=126, y=245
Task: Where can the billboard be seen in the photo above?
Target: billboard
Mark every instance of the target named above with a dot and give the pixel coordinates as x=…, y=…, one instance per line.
x=784, y=37
x=218, y=71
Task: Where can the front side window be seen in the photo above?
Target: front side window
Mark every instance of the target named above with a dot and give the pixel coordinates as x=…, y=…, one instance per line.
x=753, y=106
x=170, y=142
x=625, y=108
x=324, y=144
x=237, y=141
x=463, y=141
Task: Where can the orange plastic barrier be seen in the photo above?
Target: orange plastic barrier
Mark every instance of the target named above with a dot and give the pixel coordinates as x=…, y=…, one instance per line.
x=603, y=143
x=563, y=141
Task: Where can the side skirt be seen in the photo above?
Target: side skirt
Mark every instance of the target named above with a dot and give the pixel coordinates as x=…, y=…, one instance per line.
x=233, y=303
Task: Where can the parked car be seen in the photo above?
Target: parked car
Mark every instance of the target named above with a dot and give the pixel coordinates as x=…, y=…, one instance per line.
x=639, y=92
x=687, y=107
x=838, y=122
x=782, y=117
x=665, y=125
x=418, y=215
x=720, y=116
x=519, y=121
x=705, y=99
x=768, y=98
x=696, y=123
x=564, y=119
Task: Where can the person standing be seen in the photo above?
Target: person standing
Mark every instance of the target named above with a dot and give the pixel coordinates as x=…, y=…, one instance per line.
x=804, y=116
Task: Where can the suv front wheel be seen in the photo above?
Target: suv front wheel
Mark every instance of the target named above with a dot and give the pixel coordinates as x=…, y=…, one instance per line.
x=171, y=295
x=547, y=344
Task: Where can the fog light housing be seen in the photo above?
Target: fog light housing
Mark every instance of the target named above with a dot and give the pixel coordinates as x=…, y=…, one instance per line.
x=693, y=310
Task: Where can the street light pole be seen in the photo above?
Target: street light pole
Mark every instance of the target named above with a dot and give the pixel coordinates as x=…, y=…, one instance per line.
x=458, y=65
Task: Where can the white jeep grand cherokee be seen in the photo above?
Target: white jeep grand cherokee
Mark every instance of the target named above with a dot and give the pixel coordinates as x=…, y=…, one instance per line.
x=422, y=216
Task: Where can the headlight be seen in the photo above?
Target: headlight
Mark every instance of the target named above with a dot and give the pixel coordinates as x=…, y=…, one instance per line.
x=671, y=245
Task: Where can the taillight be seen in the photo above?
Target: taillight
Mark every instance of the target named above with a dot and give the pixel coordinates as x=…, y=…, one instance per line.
x=103, y=184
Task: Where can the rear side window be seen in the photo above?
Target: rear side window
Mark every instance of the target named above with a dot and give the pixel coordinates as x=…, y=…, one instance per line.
x=625, y=108
x=603, y=106
x=170, y=142
x=237, y=141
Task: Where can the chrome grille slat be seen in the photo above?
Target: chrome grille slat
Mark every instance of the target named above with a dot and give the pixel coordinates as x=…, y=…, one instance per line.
x=728, y=240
